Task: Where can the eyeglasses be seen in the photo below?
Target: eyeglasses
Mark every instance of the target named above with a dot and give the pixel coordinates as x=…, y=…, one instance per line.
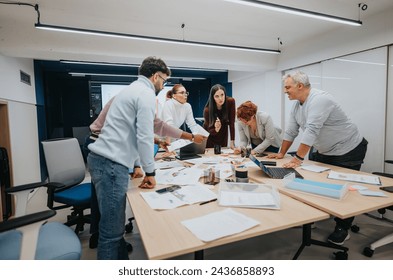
x=186, y=93
x=165, y=81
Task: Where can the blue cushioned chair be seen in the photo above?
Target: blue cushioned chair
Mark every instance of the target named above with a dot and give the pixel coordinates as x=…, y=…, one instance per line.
x=66, y=171
x=26, y=237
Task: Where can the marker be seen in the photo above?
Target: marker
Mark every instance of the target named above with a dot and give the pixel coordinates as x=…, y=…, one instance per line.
x=205, y=202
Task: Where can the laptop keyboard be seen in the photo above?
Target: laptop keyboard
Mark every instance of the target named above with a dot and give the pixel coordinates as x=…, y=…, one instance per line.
x=279, y=173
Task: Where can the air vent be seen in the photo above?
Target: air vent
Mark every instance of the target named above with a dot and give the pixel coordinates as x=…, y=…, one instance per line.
x=25, y=78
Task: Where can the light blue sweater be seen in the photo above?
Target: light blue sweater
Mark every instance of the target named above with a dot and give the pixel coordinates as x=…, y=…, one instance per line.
x=128, y=129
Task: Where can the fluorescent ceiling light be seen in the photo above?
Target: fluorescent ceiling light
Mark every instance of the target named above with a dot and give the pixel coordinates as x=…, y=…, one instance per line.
x=150, y=38
x=99, y=74
x=359, y=61
x=98, y=63
x=296, y=11
x=135, y=65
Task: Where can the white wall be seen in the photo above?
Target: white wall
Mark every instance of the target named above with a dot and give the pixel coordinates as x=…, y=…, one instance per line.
x=376, y=31
x=21, y=101
x=389, y=116
x=263, y=89
x=358, y=84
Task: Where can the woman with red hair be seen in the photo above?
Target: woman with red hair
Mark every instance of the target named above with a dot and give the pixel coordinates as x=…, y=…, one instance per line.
x=256, y=128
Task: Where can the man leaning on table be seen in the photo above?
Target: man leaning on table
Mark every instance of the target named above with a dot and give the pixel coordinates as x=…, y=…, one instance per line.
x=327, y=128
x=127, y=135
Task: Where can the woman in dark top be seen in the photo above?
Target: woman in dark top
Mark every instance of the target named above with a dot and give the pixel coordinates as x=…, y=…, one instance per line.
x=219, y=113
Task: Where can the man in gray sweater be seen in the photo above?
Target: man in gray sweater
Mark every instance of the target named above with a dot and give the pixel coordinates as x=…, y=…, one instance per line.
x=325, y=127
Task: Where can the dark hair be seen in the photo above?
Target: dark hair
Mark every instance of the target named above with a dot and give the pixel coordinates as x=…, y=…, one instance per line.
x=212, y=106
x=152, y=65
x=173, y=91
x=246, y=110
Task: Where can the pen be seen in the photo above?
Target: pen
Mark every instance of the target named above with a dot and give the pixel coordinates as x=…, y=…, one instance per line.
x=208, y=201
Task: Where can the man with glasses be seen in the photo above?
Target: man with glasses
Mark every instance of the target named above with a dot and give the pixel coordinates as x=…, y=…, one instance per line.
x=177, y=111
x=127, y=135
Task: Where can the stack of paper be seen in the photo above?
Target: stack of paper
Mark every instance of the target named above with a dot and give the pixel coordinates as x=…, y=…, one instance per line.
x=249, y=196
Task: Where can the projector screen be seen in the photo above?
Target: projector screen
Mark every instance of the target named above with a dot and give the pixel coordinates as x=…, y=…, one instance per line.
x=108, y=91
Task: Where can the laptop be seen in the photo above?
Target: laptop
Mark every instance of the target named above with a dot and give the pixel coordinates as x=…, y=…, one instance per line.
x=156, y=148
x=275, y=172
x=191, y=151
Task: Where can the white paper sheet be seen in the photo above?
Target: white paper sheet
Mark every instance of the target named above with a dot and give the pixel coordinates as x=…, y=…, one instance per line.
x=314, y=168
x=168, y=164
x=227, y=151
x=162, y=201
x=361, y=178
x=246, y=199
x=180, y=143
x=179, y=176
x=202, y=131
x=219, y=224
x=372, y=193
x=249, y=196
x=185, y=195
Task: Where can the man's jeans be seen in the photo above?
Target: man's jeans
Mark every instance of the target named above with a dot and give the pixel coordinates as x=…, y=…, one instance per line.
x=352, y=160
x=111, y=183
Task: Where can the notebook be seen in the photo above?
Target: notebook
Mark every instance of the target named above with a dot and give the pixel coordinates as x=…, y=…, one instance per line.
x=275, y=172
x=191, y=151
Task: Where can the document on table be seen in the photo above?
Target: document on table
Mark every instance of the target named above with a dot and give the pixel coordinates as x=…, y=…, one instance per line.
x=168, y=164
x=249, y=196
x=219, y=224
x=185, y=195
x=205, y=160
x=314, y=168
x=361, y=178
x=178, y=175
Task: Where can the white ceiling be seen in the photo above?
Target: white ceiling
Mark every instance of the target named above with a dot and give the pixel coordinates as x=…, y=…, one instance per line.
x=213, y=21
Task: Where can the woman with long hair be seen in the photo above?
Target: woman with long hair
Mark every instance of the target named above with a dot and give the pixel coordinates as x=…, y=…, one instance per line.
x=219, y=114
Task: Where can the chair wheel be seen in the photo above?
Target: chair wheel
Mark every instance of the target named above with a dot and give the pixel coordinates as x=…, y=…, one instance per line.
x=129, y=247
x=355, y=228
x=340, y=255
x=368, y=252
x=129, y=227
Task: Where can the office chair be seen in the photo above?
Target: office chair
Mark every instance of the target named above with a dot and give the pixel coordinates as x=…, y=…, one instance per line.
x=66, y=170
x=369, y=251
x=27, y=237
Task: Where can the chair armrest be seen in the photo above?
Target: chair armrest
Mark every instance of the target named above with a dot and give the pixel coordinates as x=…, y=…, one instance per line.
x=55, y=186
x=52, y=188
x=26, y=220
x=25, y=187
x=22, y=193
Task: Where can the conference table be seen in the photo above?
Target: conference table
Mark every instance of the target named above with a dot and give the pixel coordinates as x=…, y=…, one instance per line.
x=165, y=237
x=352, y=204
